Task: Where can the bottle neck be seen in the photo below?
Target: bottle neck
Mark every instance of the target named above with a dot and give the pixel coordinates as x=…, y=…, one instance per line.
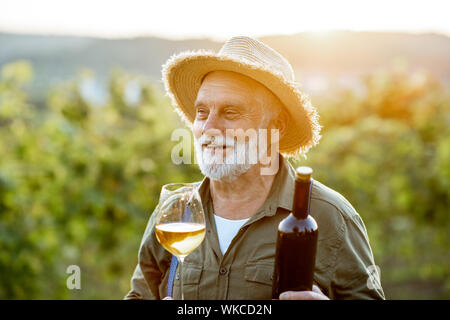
x=302, y=191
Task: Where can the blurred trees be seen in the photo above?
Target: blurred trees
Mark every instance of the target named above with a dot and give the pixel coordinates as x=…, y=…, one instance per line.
x=79, y=179
x=77, y=184
x=388, y=152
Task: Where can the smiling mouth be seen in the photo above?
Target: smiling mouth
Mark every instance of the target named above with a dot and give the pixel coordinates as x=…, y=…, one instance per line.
x=215, y=147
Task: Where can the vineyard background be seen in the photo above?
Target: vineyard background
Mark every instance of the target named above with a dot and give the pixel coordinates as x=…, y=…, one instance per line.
x=81, y=170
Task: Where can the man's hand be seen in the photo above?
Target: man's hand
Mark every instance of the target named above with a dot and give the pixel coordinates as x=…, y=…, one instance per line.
x=315, y=294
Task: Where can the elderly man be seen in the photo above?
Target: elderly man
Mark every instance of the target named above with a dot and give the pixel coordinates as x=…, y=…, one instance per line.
x=249, y=86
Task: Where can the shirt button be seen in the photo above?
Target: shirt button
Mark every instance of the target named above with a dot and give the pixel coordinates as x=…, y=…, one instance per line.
x=223, y=271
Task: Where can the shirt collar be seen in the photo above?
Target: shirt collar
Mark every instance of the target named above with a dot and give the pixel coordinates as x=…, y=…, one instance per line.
x=280, y=195
x=282, y=190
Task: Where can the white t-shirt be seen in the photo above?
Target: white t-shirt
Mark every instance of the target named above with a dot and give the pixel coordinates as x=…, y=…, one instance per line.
x=226, y=230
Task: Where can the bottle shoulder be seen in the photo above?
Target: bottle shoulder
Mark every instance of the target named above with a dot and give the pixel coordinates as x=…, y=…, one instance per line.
x=292, y=224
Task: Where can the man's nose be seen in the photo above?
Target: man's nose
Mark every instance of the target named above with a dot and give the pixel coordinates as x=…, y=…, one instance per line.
x=213, y=123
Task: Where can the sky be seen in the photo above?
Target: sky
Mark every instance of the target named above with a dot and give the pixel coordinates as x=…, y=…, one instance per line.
x=219, y=20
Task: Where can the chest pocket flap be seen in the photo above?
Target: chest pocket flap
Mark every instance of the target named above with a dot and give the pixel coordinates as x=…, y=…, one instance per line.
x=260, y=273
x=191, y=274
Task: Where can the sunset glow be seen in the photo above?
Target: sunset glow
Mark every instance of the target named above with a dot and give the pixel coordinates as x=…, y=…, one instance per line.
x=219, y=19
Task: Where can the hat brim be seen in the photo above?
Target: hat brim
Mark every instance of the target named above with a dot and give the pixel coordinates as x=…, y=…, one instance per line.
x=183, y=74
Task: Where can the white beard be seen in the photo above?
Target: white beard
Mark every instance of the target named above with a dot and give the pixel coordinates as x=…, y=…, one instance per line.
x=223, y=166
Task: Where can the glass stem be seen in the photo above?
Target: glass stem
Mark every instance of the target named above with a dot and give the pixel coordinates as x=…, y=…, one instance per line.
x=180, y=262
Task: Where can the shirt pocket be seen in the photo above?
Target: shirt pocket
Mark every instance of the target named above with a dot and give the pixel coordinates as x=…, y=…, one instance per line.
x=258, y=278
x=191, y=280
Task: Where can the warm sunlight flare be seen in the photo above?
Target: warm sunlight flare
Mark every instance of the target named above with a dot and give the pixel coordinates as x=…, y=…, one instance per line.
x=214, y=19
x=224, y=150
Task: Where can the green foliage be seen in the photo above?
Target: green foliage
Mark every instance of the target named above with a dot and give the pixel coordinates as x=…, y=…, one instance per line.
x=78, y=180
x=387, y=152
x=77, y=184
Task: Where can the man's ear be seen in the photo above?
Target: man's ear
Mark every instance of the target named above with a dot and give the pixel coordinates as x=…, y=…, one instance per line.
x=281, y=122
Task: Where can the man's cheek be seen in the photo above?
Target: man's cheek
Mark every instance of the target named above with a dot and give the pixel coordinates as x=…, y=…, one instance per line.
x=196, y=129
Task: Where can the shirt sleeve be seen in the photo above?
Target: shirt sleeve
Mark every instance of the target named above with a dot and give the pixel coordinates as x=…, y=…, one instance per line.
x=139, y=287
x=355, y=275
x=147, y=274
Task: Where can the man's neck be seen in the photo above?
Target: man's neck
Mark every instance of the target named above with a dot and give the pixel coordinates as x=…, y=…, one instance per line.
x=242, y=197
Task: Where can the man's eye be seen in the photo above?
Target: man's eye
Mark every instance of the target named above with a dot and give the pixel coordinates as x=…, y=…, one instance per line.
x=231, y=113
x=201, y=113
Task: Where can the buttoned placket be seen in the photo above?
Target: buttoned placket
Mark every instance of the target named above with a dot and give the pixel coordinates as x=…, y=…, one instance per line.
x=225, y=261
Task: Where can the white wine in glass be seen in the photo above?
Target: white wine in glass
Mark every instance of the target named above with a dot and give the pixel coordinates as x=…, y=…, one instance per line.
x=180, y=221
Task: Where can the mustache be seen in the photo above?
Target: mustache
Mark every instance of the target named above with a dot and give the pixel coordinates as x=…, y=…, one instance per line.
x=216, y=141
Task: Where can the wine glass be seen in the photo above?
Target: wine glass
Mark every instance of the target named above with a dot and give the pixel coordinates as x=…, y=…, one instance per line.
x=180, y=221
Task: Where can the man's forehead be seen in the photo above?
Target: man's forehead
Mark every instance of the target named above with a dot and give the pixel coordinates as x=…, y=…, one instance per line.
x=227, y=87
x=232, y=98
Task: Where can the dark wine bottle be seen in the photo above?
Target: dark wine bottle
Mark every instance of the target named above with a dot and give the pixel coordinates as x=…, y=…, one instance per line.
x=296, y=241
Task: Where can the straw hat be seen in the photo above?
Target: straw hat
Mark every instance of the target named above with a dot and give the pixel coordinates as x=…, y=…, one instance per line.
x=183, y=74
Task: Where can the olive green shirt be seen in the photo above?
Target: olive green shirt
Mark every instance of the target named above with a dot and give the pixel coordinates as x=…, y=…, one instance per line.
x=245, y=270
